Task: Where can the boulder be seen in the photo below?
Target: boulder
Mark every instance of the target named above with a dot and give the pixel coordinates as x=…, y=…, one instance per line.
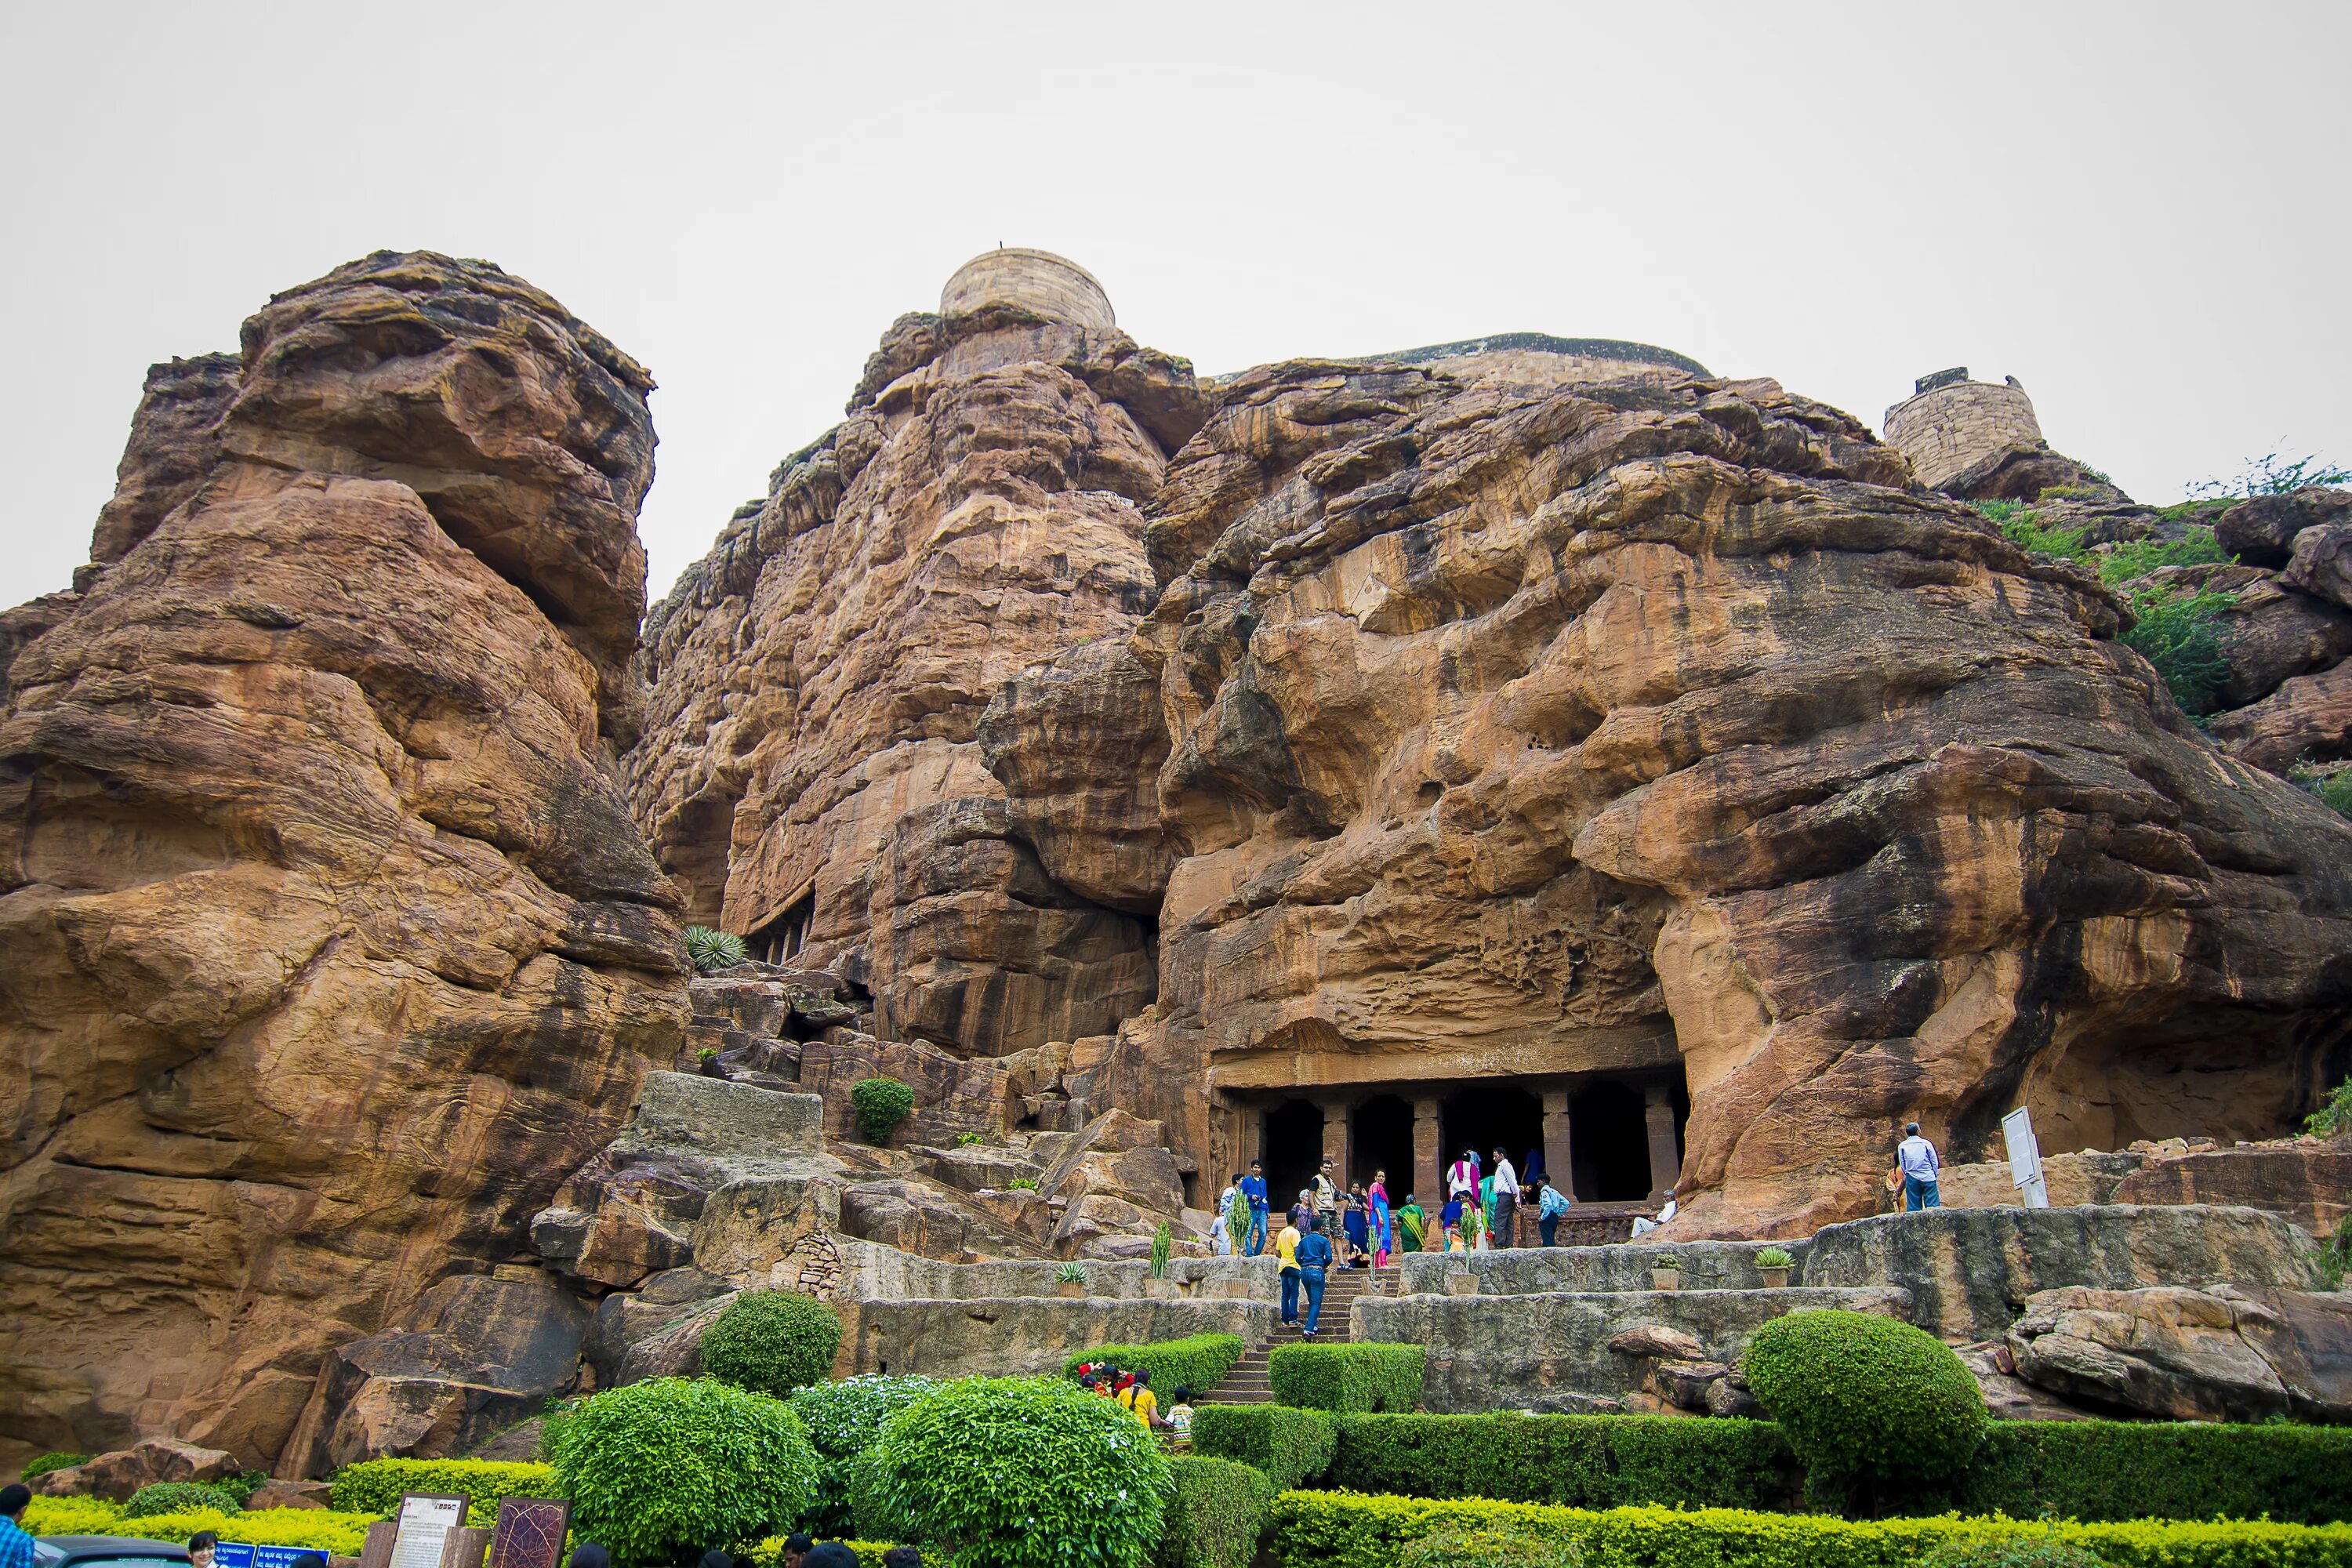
x=319, y=1494
x=2269, y=633
x=2263, y=530
x=331, y=940
x=2217, y=1354
x=151, y=1460
x=2307, y=1181
x=1652, y=1340
x=2322, y=562
x=474, y=1354
x=1684, y=1384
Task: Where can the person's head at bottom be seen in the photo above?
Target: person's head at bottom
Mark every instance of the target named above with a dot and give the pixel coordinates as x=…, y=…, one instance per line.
x=830, y=1554
x=588, y=1554
x=902, y=1557
x=201, y=1546
x=717, y=1557
x=12, y=1499
x=309, y=1560
x=796, y=1549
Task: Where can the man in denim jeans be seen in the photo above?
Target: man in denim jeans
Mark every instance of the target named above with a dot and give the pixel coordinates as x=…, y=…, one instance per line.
x=1314, y=1266
x=1915, y=1158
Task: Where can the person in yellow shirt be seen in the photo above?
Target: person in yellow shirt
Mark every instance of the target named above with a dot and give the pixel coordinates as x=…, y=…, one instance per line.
x=1138, y=1397
x=1286, y=1247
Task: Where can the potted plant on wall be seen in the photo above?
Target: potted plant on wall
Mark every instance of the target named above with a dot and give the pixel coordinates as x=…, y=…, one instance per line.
x=1774, y=1263
x=1665, y=1272
x=1070, y=1279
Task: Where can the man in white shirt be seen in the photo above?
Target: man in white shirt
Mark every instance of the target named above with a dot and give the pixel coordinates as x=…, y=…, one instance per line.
x=1327, y=1198
x=1916, y=1159
x=1643, y=1227
x=1507, y=1201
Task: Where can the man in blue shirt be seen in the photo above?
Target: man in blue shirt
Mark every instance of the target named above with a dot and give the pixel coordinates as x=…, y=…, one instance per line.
x=1314, y=1270
x=1253, y=1191
x=16, y=1546
x=1915, y=1158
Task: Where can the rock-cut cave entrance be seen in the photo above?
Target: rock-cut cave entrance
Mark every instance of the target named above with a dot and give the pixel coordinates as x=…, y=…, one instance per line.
x=1380, y=1138
x=1488, y=1116
x=1294, y=1150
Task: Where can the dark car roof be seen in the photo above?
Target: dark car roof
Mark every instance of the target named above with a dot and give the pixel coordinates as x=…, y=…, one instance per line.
x=58, y=1549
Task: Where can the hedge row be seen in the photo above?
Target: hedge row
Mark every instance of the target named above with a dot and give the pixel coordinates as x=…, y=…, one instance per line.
x=1580, y=1461
x=374, y=1486
x=338, y=1534
x=1292, y=1447
x=1198, y=1362
x=1350, y=1529
x=1215, y=1514
x=1354, y=1377
x=2159, y=1469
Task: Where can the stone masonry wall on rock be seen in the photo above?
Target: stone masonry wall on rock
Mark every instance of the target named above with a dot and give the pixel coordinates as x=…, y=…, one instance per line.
x=331, y=943
x=1947, y=428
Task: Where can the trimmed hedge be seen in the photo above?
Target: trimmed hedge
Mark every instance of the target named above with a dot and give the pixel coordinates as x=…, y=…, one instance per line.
x=71, y=1516
x=1350, y=1529
x=1347, y=1378
x=771, y=1343
x=661, y=1468
x=1867, y=1401
x=2159, y=1469
x=1293, y=1447
x=1216, y=1512
x=1197, y=1362
x=313, y=1529
x=1581, y=1461
x=374, y=1486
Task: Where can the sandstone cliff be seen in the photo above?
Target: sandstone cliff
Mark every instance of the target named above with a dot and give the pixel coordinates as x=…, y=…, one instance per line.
x=814, y=773
x=1503, y=727
x=330, y=946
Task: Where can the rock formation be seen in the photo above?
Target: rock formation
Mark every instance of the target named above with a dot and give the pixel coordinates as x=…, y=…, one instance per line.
x=331, y=943
x=815, y=774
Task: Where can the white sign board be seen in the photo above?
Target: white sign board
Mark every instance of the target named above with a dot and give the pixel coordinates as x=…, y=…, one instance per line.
x=425, y=1522
x=2025, y=1158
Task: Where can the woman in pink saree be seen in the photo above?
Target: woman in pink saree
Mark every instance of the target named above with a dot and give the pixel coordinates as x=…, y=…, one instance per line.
x=1384, y=1224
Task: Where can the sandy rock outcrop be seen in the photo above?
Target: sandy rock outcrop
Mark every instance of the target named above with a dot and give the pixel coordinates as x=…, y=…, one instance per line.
x=2305, y=1181
x=1664, y=721
x=329, y=941
x=150, y=1461
x=2219, y=1354
x=816, y=772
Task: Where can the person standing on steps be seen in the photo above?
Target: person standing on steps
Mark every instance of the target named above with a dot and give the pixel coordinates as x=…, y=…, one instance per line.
x=1552, y=1207
x=1286, y=1247
x=1314, y=1268
x=1915, y=1158
x=1326, y=1197
x=1253, y=1192
x=1507, y=1201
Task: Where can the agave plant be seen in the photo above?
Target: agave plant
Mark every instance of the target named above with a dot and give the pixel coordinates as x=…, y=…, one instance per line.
x=712, y=949
x=1071, y=1274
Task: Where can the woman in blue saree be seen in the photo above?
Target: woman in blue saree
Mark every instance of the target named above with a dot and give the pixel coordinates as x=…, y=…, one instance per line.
x=1382, y=1227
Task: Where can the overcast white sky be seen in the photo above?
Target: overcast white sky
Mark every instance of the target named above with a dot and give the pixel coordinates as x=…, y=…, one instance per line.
x=2138, y=210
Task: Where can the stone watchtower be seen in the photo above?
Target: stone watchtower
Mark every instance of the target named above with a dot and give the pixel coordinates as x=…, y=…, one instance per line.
x=1949, y=423
x=1039, y=280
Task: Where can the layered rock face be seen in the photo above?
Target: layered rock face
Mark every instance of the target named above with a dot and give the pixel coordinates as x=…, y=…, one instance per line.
x=331, y=945
x=1523, y=732
x=816, y=773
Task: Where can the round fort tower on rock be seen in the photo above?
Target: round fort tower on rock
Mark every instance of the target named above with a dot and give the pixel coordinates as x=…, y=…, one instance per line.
x=1949, y=423
x=1052, y=286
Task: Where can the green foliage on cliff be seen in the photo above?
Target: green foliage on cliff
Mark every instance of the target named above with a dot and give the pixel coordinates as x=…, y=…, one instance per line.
x=712, y=949
x=881, y=1103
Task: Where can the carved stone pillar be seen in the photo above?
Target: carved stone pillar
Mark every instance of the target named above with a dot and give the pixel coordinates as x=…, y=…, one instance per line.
x=1428, y=1160
x=1557, y=1151
x=1253, y=1140
x=1658, y=1111
x=1335, y=1110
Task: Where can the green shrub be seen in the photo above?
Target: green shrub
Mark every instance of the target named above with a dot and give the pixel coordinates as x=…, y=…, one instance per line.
x=2274, y=474
x=374, y=1486
x=1865, y=1401
x=244, y=1484
x=2179, y=635
x=1021, y=1473
x=311, y=1529
x=2333, y=1119
x=1350, y=1530
x=712, y=949
x=1197, y=1362
x=772, y=1341
x=1774, y=1257
x=42, y=1464
x=1581, y=1461
x=2334, y=1260
x=1216, y=1509
x=1022, y=1185
x=1163, y=1242
x=1355, y=1377
x=843, y=1421
x=2024, y=530
x=1293, y=1447
x=1070, y=1273
x=2335, y=792
x=1500, y=1548
x=2045, y=1550
x=881, y=1103
x=2135, y=558
x=965, y=1139
x=673, y=1465
x=179, y=1497
x=71, y=1516
x=2159, y=1469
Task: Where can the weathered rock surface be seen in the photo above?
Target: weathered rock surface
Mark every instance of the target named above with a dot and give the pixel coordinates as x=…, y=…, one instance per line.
x=474, y=1354
x=1970, y=1272
x=117, y=1475
x=331, y=945
x=2219, y=1354
x=1660, y=723
x=821, y=679
x=2305, y=1181
x=2262, y=530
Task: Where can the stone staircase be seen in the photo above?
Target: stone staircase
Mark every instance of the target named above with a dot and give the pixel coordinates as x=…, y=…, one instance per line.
x=1249, y=1380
